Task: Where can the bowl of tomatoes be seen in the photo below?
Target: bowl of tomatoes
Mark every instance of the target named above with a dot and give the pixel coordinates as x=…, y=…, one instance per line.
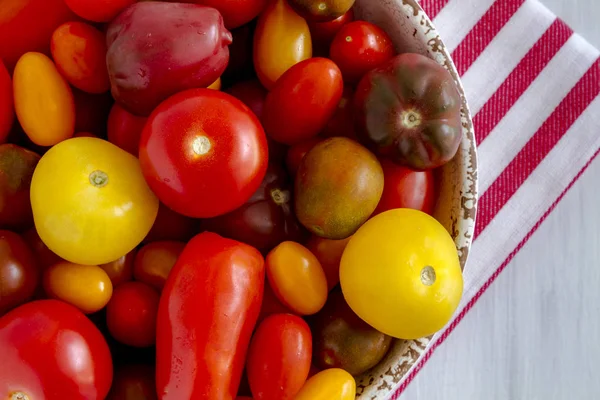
x=267, y=199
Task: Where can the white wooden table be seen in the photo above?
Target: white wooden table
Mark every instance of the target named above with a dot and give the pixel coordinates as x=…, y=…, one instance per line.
x=535, y=334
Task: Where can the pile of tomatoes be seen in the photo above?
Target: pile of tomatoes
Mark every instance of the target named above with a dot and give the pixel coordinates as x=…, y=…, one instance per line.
x=212, y=199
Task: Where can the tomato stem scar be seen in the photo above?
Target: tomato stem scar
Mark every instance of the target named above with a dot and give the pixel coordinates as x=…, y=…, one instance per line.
x=322, y=7
x=410, y=119
x=280, y=196
x=201, y=145
x=19, y=396
x=99, y=178
x=428, y=275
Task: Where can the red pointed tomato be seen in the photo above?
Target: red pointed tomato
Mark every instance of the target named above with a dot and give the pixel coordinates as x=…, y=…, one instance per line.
x=203, y=152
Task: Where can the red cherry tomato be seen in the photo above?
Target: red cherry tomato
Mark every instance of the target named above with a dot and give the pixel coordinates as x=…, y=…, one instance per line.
x=98, y=10
x=406, y=188
x=131, y=314
x=235, y=12
x=19, y=274
x=359, y=47
x=203, y=152
x=51, y=351
x=279, y=357
x=170, y=225
x=125, y=129
x=7, y=107
x=296, y=153
x=302, y=100
x=120, y=270
x=252, y=93
x=322, y=33
x=155, y=261
x=342, y=121
x=329, y=253
x=133, y=382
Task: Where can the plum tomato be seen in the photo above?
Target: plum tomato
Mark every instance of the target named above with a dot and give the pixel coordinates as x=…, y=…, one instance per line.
x=98, y=10
x=125, y=129
x=79, y=51
x=281, y=40
x=87, y=287
x=342, y=340
x=302, y=100
x=235, y=12
x=157, y=49
x=131, y=314
x=321, y=11
x=296, y=153
x=199, y=165
x=154, y=262
x=401, y=274
x=7, y=107
x=322, y=33
x=81, y=187
x=297, y=278
x=19, y=272
x=121, y=269
x=333, y=198
x=133, y=382
x=252, y=93
x=279, y=357
x=406, y=188
x=43, y=100
x=329, y=253
x=342, y=121
x=329, y=384
x=43, y=255
x=409, y=110
x=51, y=351
x=266, y=219
x=359, y=47
x=170, y=225
x=16, y=169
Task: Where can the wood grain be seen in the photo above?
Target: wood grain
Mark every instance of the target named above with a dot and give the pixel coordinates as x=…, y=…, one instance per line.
x=535, y=334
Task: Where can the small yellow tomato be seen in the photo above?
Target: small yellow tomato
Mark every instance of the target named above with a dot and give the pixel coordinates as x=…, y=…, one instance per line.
x=401, y=274
x=281, y=40
x=90, y=201
x=330, y=384
x=43, y=100
x=87, y=287
x=297, y=278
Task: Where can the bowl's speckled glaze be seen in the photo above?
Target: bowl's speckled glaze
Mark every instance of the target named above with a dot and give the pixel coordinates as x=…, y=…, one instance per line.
x=412, y=31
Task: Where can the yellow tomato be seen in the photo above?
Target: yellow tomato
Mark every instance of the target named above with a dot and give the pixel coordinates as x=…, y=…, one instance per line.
x=90, y=202
x=401, y=274
x=330, y=384
x=281, y=40
x=297, y=278
x=43, y=100
x=87, y=287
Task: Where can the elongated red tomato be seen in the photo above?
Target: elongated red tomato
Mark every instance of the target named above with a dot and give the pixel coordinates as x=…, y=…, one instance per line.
x=207, y=312
x=303, y=100
x=279, y=357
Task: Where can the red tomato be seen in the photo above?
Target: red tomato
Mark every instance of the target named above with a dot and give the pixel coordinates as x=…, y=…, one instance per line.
x=91, y=112
x=170, y=225
x=296, y=153
x=406, y=188
x=252, y=93
x=51, y=351
x=322, y=33
x=79, y=51
x=279, y=357
x=212, y=295
x=302, y=100
x=235, y=12
x=44, y=256
x=120, y=270
x=7, y=107
x=131, y=314
x=125, y=129
x=155, y=261
x=19, y=274
x=359, y=47
x=342, y=121
x=329, y=253
x=133, y=382
x=203, y=152
x=98, y=10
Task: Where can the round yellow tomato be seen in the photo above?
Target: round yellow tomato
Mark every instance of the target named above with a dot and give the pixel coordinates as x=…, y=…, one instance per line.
x=90, y=202
x=401, y=274
x=330, y=384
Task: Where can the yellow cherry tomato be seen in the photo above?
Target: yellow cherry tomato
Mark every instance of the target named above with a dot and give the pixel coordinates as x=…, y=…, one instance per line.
x=43, y=100
x=297, y=278
x=90, y=201
x=87, y=287
x=401, y=274
x=281, y=40
x=330, y=384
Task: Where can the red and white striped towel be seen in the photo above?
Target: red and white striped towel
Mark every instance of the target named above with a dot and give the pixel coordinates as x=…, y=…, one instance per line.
x=533, y=87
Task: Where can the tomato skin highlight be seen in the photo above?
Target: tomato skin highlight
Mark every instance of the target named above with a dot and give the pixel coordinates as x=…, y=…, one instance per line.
x=279, y=357
x=51, y=351
x=214, y=295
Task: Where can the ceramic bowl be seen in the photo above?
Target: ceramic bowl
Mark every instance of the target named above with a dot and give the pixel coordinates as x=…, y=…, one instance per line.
x=412, y=31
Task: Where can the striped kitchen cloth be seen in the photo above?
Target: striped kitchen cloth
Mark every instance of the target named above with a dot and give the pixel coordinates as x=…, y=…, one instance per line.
x=533, y=87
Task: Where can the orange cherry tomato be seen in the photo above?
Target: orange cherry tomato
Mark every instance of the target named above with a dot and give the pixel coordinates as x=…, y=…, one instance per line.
x=297, y=278
x=329, y=253
x=155, y=260
x=120, y=270
x=125, y=129
x=43, y=100
x=79, y=51
x=281, y=40
x=87, y=287
x=7, y=109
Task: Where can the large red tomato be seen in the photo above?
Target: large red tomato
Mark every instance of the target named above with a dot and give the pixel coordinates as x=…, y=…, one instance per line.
x=51, y=351
x=203, y=152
